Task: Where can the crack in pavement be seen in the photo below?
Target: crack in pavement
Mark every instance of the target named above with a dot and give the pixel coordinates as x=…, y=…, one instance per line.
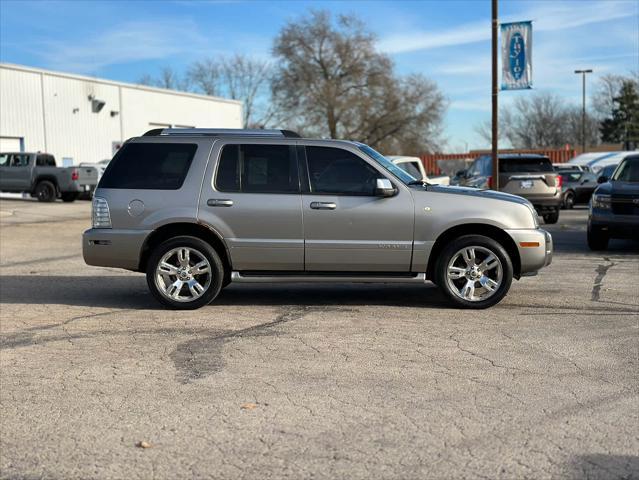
x=26, y=337
x=601, y=270
x=39, y=260
x=200, y=357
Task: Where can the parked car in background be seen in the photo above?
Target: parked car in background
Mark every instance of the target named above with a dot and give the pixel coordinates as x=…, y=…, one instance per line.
x=38, y=175
x=527, y=175
x=569, y=167
x=88, y=179
x=577, y=186
x=101, y=166
x=610, y=160
x=614, y=208
x=415, y=167
x=588, y=159
x=197, y=209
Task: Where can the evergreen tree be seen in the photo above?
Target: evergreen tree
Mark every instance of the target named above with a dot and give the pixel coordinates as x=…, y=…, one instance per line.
x=623, y=126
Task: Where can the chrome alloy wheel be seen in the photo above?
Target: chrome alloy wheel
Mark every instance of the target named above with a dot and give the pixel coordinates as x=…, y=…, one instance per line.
x=183, y=274
x=474, y=273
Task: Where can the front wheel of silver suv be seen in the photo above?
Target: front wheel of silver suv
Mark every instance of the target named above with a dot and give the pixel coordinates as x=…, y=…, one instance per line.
x=474, y=271
x=185, y=273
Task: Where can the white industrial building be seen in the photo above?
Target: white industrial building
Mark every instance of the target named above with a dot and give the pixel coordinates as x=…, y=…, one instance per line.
x=83, y=119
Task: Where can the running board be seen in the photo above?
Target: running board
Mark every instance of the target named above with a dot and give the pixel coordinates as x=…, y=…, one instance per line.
x=238, y=277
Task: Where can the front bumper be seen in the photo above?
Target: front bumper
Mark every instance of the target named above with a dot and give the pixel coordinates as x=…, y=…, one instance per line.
x=535, y=249
x=617, y=226
x=104, y=247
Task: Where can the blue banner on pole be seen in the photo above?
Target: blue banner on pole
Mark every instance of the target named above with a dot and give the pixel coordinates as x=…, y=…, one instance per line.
x=516, y=55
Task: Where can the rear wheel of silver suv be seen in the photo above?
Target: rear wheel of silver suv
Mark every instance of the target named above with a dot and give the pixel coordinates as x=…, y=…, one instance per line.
x=474, y=271
x=185, y=273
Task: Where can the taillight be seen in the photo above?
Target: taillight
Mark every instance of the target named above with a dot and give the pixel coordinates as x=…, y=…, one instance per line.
x=101, y=215
x=490, y=181
x=74, y=174
x=560, y=181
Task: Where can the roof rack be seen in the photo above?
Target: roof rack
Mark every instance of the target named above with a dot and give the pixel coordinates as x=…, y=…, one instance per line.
x=213, y=132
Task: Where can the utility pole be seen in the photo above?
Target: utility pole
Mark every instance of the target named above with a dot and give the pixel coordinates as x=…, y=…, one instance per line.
x=495, y=125
x=583, y=107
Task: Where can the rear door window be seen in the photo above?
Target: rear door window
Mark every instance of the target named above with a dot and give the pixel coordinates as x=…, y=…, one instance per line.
x=525, y=165
x=252, y=168
x=149, y=166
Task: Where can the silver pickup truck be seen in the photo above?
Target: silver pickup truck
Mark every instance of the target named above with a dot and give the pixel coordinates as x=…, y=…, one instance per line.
x=38, y=175
x=197, y=209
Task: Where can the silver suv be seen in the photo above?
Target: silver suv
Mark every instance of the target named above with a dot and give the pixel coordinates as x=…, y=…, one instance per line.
x=197, y=209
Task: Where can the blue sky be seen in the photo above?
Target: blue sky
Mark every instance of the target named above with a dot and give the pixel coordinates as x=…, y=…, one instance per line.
x=447, y=40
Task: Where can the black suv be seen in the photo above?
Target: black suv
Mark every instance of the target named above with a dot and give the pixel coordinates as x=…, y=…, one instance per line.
x=614, y=208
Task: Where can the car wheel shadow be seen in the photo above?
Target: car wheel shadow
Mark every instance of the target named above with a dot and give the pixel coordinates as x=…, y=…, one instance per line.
x=130, y=292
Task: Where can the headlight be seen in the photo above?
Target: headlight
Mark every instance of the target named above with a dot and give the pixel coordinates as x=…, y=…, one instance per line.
x=601, y=200
x=101, y=215
x=533, y=212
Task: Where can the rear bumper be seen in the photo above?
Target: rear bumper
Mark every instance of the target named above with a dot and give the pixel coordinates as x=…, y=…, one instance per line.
x=535, y=249
x=103, y=247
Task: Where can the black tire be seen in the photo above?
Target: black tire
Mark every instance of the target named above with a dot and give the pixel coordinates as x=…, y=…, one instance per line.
x=45, y=191
x=569, y=200
x=451, y=250
x=597, y=239
x=201, y=248
x=69, y=196
x=551, y=218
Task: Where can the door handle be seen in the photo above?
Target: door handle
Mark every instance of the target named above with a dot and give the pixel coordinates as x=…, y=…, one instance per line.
x=219, y=202
x=323, y=206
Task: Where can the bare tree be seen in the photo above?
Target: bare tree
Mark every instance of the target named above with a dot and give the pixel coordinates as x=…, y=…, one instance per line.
x=332, y=82
x=238, y=77
x=607, y=89
x=248, y=80
x=169, y=78
x=573, y=127
x=205, y=76
x=541, y=120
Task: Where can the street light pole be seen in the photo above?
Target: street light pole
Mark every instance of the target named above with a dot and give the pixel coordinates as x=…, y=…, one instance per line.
x=495, y=95
x=583, y=107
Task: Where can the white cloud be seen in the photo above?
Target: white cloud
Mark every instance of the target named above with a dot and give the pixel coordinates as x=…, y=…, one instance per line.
x=547, y=17
x=128, y=42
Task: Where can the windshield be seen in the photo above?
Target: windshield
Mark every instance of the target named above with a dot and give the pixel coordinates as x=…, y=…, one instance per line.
x=411, y=168
x=386, y=163
x=628, y=171
x=525, y=165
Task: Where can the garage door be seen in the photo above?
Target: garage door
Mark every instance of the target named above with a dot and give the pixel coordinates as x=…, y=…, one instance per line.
x=9, y=144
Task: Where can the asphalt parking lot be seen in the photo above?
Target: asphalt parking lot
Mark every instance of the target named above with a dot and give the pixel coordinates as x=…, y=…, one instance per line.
x=303, y=381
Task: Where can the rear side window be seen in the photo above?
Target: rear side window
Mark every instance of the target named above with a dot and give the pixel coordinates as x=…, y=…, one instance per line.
x=525, y=165
x=258, y=169
x=45, y=161
x=149, y=166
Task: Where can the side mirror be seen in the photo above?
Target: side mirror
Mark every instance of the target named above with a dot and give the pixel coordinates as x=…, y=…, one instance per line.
x=384, y=188
x=461, y=173
x=602, y=179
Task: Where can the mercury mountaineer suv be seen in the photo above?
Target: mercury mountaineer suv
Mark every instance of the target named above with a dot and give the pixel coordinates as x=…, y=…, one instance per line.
x=198, y=209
